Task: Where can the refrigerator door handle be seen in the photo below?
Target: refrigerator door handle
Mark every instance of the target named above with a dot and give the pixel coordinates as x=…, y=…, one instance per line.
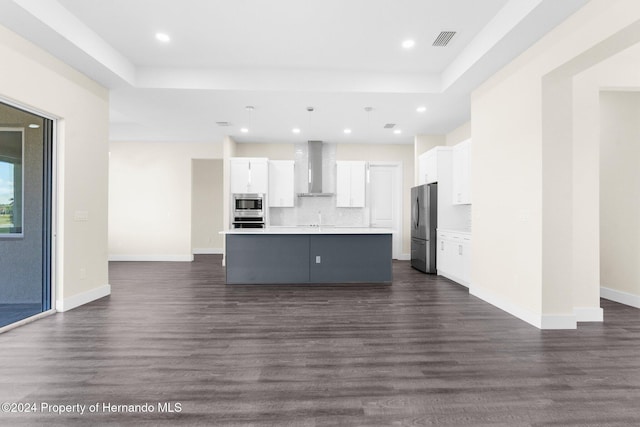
x=417, y=208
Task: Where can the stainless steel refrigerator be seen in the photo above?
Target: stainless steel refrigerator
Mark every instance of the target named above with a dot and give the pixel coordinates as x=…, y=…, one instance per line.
x=424, y=221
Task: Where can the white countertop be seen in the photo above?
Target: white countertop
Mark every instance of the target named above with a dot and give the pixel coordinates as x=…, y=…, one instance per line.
x=310, y=230
x=450, y=230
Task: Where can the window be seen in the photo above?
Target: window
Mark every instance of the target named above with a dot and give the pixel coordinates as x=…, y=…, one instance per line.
x=11, y=179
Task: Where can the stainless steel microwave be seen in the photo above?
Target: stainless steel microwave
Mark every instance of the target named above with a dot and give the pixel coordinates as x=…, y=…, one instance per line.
x=248, y=205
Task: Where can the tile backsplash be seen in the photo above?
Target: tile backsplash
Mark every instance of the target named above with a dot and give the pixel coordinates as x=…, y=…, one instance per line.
x=307, y=209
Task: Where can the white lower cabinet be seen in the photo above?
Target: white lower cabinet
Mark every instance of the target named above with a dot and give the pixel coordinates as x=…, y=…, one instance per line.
x=453, y=260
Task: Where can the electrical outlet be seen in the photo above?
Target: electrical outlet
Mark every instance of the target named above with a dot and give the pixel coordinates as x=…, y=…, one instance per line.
x=81, y=216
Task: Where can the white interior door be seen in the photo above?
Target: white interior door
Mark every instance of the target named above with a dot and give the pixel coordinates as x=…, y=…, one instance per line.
x=385, y=201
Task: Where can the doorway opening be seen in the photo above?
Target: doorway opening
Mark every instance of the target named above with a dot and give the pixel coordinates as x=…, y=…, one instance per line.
x=26, y=151
x=206, y=200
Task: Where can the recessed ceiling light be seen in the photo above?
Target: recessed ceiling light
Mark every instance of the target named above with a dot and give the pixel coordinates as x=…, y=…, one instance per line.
x=295, y=130
x=421, y=109
x=397, y=131
x=34, y=126
x=408, y=44
x=164, y=38
x=347, y=131
x=244, y=130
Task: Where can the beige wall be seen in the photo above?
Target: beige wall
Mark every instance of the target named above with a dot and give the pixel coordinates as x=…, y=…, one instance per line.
x=150, y=198
x=616, y=73
x=206, y=206
x=270, y=151
x=33, y=78
x=506, y=178
x=535, y=212
x=228, y=151
x=388, y=153
x=620, y=198
x=459, y=134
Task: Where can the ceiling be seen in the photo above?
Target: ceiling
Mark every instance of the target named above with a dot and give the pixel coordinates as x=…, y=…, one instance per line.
x=282, y=56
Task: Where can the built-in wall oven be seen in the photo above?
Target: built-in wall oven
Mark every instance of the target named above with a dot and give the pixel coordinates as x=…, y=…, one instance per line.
x=247, y=211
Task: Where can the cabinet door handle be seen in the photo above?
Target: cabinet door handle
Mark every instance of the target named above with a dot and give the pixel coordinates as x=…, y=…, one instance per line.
x=442, y=245
x=459, y=249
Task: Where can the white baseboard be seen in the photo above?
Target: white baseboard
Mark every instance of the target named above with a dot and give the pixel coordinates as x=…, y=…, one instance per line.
x=404, y=257
x=514, y=310
x=588, y=314
x=207, y=251
x=82, y=298
x=620, y=296
x=558, y=321
x=165, y=258
x=541, y=321
x=453, y=277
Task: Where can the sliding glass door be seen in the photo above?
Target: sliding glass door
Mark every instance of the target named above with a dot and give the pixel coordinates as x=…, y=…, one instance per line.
x=25, y=214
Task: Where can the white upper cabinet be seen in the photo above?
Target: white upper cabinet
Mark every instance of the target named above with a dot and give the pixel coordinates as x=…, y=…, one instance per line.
x=462, y=173
x=249, y=175
x=429, y=163
x=350, y=184
x=281, y=184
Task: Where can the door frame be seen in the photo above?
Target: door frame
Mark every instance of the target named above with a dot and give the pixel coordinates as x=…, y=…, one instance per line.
x=397, y=238
x=54, y=266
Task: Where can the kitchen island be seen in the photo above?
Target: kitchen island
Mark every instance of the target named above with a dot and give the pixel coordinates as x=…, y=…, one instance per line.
x=308, y=255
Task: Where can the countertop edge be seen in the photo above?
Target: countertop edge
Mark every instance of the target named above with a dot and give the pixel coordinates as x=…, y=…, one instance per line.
x=449, y=230
x=305, y=231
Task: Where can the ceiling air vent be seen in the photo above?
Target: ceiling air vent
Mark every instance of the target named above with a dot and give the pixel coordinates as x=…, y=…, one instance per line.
x=389, y=125
x=444, y=38
x=223, y=123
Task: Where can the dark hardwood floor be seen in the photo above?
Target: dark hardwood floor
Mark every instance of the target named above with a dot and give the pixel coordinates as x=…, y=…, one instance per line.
x=419, y=352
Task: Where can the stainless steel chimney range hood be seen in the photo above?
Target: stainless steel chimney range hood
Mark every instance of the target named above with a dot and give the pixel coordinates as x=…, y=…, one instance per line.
x=315, y=171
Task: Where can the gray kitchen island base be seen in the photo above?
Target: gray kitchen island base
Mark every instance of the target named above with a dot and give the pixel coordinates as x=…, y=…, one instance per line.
x=308, y=258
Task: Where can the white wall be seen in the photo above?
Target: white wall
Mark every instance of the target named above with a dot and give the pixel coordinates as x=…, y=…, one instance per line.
x=535, y=212
x=33, y=78
x=150, y=199
x=206, y=206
